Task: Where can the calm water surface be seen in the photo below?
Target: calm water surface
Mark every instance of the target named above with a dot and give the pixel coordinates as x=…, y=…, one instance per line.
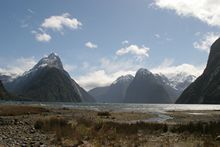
x=125, y=107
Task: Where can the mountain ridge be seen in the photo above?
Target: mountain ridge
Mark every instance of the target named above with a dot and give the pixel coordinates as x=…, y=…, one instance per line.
x=48, y=81
x=205, y=89
x=113, y=93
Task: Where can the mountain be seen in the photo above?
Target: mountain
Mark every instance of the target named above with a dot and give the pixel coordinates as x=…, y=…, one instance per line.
x=5, y=78
x=181, y=80
x=175, y=84
x=99, y=93
x=167, y=84
x=206, y=88
x=146, y=88
x=115, y=93
x=48, y=81
x=3, y=93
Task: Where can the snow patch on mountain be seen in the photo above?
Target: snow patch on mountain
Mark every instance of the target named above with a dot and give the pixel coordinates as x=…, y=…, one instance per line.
x=52, y=60
x=123, y=79
x=178, y=81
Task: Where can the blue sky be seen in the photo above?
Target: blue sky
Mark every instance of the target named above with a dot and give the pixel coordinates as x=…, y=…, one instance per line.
x=99, y=40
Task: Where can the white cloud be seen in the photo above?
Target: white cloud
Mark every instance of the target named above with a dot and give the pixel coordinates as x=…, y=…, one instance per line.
x=30, y=11
x=134, y=50
x=207, y=11
x=107, y=72
x=18, y=67
x=167, y=68
x=157, y=36
x=91, y=45
x=99, y=78
x=207, y=40
x=57, y=23
x=125, y=42
x=41, y=35
x=110, y=69
x=115, y=65
x=70, y=68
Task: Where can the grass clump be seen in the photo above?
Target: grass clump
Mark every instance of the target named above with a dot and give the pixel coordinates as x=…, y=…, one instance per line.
x=14, y=110
x=125, y=128
x=58, y=125
x=104, y=114
x=209, y=128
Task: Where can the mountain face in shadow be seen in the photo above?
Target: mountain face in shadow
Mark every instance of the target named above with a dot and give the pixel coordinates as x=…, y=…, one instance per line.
x=171, y=87
x=3, y=93
x=115, y=93
x=206, y=88
x=48, y=81
x=145, y=88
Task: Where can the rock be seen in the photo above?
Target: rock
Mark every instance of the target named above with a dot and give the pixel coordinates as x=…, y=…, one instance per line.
x=32, y=131
x=206, y=88
x=217, y=138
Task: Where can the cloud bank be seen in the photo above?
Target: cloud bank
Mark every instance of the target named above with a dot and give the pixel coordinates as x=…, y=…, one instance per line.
x=168, y=68
x=18, y=67
x=207, y=11
x=207, y=40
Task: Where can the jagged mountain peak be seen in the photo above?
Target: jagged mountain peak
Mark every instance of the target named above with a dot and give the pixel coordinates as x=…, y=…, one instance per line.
x=143, y=72
x=181, y=77
x=48, y=81
x=205, y=89
x=52, y=60
x=125, y=78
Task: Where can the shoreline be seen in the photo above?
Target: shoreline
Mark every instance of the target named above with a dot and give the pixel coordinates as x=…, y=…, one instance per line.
x=61, y=126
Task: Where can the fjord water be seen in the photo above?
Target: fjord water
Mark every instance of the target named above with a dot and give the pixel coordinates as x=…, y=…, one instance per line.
x=124, y=107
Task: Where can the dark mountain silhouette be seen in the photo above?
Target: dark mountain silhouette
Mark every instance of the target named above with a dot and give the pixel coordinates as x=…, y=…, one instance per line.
x=206, y=88
x=3, y=93
x=146, y=88
x=48, y=81
x=115, y=93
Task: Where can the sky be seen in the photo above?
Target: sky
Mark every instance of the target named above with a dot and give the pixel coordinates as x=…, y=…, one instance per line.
x=100, y=40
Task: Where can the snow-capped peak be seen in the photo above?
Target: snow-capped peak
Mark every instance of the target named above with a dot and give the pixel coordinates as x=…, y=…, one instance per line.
x=51, y=60
x=122, y=79
x=180, y=80
x=143, y=72
x=181, y=77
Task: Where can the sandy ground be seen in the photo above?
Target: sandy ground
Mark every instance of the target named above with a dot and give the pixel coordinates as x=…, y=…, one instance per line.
x=18, y=128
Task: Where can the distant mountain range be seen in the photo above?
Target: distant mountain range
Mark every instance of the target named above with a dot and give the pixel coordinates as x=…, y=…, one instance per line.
x=5, y=78
x=115, y=93
x=206, y=88
x=145, y=87
x=4, y=95
x=48, y=81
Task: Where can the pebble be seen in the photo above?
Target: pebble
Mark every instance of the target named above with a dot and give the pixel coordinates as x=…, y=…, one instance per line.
x=217, y=138
x=20, y=132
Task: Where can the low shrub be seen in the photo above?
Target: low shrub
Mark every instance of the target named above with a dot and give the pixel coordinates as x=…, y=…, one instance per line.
x=105, y=113
x=210, y=128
